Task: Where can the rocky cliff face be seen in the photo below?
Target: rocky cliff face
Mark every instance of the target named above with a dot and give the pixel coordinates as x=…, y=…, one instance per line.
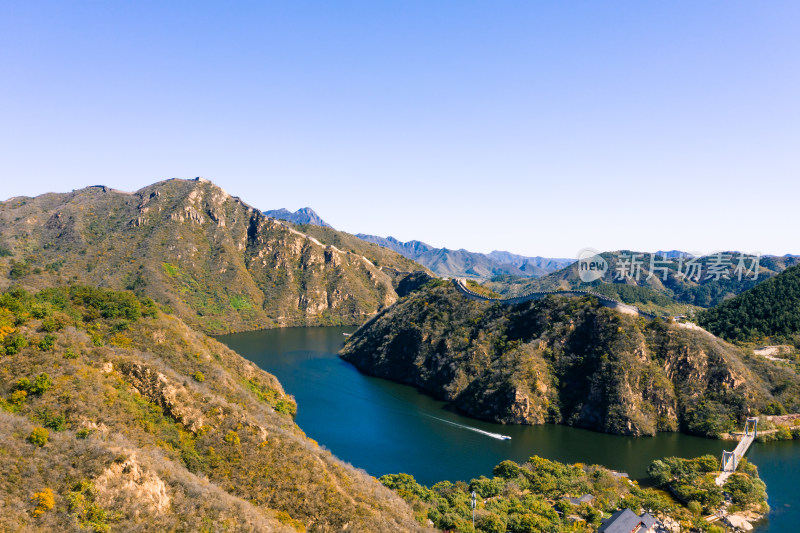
x=565, y=360
x=219, y=263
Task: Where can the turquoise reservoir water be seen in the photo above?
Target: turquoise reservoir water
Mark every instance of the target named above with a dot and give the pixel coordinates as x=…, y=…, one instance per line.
x=384, y=427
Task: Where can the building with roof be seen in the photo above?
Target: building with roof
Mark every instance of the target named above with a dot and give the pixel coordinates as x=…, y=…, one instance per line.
x=586, y=498
x=626, y=521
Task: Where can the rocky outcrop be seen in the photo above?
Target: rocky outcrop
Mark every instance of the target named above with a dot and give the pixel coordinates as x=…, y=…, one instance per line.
x=173, y=398
x=520, y=409
x=127, y=480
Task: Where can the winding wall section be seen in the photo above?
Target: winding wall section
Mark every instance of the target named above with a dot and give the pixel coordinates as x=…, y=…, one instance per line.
x=605, y=300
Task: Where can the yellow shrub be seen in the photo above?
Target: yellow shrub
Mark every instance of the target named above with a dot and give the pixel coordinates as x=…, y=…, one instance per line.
x=5, y=331
x=120, y=341
x=44, y=501
x=285, y=518
x=232, y=438
x=18, y=397
x=39, y=436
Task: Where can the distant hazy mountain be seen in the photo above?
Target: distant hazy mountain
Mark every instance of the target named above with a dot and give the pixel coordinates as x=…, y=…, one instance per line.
x=463, y=263
x=409, y=249
x=673, y=254
x=534, y=266
x=304, y=215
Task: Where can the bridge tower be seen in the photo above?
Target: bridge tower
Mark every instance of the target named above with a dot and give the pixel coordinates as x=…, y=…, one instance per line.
x=751, y=425
x=728, y=463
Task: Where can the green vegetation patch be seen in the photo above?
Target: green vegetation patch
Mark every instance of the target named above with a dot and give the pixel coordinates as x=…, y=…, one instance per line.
x=693, y=481
x=281, y=403
x=91, y=516
x=477, y=288
x=532, y=497
x=170, y=269
x=240, y=302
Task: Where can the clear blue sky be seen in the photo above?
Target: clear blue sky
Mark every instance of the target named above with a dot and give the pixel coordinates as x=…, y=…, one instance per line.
x=535, y=127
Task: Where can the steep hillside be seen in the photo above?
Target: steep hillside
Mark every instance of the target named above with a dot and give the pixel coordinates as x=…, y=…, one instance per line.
x=568, y=360
x=304, y=215
x=770, y=310
x=630, y=280
x=117, y=417
x=219, y=263
x=462, y=263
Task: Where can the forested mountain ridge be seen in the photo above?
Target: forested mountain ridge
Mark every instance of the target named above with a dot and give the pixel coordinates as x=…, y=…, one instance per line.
x=771, y=310
x=118, y=417
x=660, y=284
x=218, y=262
x=568, y=360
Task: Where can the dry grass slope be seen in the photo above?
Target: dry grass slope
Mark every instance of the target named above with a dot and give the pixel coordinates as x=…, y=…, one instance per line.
x=137, y=443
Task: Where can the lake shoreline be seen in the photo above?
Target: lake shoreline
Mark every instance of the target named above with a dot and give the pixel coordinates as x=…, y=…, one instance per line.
x=383, y=427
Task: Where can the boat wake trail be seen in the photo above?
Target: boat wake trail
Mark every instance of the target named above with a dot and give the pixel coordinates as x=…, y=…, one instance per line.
x=470, y=428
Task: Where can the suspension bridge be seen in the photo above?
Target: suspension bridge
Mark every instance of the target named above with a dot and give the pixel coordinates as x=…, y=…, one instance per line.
x=730, y=460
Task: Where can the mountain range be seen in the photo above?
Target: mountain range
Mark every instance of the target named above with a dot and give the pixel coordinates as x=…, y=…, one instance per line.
x=670, y=285
x=441, y=261
x=462, y=263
